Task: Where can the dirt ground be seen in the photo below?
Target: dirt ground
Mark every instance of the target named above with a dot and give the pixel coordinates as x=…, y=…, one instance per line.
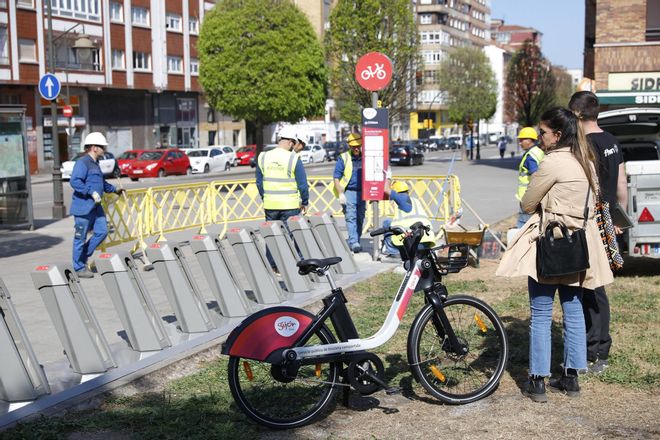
x=603, y=411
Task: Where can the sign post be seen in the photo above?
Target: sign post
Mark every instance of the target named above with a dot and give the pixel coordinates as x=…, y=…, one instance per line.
x=373, y=72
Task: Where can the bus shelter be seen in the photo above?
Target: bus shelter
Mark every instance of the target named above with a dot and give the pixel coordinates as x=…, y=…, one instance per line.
x=15, y=190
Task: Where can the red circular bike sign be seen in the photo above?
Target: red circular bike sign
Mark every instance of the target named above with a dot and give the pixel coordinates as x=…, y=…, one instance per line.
x=373, y=71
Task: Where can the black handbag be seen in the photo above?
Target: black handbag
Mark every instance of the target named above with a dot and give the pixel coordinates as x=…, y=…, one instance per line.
x=566, y=255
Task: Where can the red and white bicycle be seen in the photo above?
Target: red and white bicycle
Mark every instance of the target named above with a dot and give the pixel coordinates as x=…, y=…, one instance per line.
x=286, y=365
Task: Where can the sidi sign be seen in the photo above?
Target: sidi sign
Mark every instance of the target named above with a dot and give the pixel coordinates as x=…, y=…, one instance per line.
x=373, y=71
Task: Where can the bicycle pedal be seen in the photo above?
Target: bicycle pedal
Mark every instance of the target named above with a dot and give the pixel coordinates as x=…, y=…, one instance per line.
x=393, y=390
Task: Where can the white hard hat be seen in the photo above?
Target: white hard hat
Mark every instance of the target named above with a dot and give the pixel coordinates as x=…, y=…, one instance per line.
x=302, y=137
x=288, y=132
x=96, y=138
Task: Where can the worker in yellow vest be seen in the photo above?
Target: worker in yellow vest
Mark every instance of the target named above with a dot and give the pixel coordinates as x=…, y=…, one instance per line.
x=527, y=138
x=281, y=180
x=348, y=189
x=408, y=211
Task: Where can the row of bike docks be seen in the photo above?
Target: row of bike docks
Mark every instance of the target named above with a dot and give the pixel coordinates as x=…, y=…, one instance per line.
x=236, y=271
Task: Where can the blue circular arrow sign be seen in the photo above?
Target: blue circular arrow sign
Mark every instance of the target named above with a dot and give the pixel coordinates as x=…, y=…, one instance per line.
x=49, y=86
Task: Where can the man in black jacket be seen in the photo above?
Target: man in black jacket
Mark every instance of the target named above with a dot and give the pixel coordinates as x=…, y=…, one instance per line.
x=613, y=189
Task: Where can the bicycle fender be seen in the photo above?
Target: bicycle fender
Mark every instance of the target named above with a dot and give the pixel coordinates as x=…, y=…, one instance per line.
x=266, y=331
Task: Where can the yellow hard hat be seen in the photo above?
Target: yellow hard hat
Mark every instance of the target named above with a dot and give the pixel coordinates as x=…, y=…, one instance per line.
x=528, y=133
x=400, y=186
x=354, y=139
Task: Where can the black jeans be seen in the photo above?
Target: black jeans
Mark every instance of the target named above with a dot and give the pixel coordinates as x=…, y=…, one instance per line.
x=282, y=215
x=596, y=309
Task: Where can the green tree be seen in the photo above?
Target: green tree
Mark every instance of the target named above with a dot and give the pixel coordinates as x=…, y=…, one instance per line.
x=260, y=61
x=530, y=86
x=469, y=85
x=361, y=26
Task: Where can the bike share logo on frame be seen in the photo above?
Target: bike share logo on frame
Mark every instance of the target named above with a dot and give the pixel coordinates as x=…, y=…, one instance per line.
x=373, y=71
x=286, y=326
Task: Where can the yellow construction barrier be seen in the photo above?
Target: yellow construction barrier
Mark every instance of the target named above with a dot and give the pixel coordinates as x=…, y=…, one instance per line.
x=159, y=210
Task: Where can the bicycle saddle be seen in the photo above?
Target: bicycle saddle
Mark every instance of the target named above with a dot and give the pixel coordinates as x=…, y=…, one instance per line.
x=313, y=264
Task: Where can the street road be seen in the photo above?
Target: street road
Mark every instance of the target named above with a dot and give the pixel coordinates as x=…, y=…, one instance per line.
x=487, y=186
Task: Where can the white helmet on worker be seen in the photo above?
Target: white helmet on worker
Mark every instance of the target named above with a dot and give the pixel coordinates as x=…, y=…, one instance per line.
x=95, y=138
x=302, y=137
x=288, y=132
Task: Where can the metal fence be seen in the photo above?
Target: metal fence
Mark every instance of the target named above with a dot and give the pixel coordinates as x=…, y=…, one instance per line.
x=156, y=211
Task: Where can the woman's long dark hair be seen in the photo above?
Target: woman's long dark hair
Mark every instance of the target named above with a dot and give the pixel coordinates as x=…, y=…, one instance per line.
x=572, y=135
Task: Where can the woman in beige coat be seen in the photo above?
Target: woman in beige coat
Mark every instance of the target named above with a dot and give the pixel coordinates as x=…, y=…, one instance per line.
x=559, y=191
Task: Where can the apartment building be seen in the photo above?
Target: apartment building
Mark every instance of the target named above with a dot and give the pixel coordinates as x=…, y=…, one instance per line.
x=443, y=24
x=622, y=51
x=136, y=80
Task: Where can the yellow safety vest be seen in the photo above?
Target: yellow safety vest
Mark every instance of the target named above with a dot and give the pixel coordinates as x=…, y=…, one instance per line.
x=523, y=173
x=407, y=219
x=278, y=167
x=348, y=171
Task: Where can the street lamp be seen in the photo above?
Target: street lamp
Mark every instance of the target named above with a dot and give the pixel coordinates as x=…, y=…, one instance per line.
x=84, y=47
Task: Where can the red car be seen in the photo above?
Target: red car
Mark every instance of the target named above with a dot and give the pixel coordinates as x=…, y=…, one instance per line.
x=244, y=154
x=127, y=158
x=159, y=163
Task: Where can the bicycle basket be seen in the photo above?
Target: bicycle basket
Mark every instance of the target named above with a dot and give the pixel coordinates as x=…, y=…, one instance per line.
x=452, y=258
x=472, y=238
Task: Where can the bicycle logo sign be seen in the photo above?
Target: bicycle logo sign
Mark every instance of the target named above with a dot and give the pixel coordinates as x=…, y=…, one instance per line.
x=373, y=71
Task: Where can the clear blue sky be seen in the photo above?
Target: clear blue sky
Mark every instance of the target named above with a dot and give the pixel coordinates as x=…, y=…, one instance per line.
x=560, y=21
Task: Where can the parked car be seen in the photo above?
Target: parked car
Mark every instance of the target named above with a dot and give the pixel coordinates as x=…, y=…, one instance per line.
x=267, y=147
x=205, y=160
x=159, y=163
x=456, y=138
x=313, y=153
x=107, y=162
x=406, y=154
x=125, y=160
x=334, y=149
x=229, y=151
x=245, y=153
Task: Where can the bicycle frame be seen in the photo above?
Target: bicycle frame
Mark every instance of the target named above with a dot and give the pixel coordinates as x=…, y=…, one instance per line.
x=387, y=330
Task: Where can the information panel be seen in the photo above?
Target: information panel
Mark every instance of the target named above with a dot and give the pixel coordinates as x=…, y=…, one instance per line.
x=375, y=152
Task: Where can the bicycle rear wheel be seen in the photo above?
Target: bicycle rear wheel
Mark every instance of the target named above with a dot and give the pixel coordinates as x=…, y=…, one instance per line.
x=453, y=378
x=265, y=395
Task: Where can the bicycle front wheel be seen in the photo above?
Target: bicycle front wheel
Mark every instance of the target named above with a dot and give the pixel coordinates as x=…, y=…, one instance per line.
x=458, y=378
x=263, y=393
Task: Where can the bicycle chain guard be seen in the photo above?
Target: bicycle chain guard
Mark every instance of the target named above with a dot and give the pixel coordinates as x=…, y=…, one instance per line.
x=359, y=370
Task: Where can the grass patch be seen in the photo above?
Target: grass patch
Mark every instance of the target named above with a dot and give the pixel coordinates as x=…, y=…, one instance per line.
x=200, y=406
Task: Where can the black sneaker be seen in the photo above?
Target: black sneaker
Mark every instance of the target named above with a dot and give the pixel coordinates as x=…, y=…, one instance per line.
x=535, y=389
x=84, y=274
x=567, y=384
x=598, y=366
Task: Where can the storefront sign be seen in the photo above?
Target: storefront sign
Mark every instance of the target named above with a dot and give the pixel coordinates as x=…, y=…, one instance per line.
x=634, y=81
x=375, y=152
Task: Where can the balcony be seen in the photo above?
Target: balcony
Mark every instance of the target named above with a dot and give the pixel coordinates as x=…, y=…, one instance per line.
x=74, y=65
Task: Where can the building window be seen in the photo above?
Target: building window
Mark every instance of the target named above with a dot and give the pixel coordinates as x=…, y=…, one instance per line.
x=426, y=19
x=431, y=77
x=193, y=25
x=140, y=16
x=85, y=9
x=118, y=59
x=25, y=3
x=27, y=51
x=652, y=21
x=174, y=65
x=3, y=3
x=4, y=45
x=141, y=61
x=432, y=56
x=116, y=12
x=173, y=22
x=212, y=137
x=194, y=66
